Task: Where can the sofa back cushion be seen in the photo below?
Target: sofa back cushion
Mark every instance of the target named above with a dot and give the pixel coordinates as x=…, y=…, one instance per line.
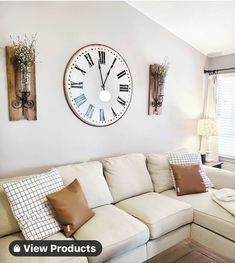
x=91, y=178
x=127, y=176
x=8, y=223
x=159, y=170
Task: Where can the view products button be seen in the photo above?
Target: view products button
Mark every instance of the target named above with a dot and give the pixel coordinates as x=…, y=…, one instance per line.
x=55, y=248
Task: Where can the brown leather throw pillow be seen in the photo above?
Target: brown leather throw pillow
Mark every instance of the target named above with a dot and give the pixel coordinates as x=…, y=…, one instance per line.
x=188, y=179
x=71, y=207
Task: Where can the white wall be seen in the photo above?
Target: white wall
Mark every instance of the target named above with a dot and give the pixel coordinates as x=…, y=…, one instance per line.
x=58, y=137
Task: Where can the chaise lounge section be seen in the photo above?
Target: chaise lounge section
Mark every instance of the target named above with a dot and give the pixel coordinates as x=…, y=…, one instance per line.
x=212, y=226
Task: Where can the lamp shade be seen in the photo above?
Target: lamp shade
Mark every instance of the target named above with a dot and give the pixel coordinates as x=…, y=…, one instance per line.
x=207, y=127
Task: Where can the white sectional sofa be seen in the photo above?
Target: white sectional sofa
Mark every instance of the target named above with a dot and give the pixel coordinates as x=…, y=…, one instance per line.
x=137, y=212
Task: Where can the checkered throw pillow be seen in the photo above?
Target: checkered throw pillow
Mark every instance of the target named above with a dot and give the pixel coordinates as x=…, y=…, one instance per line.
x=30, y=207
x=189, y=159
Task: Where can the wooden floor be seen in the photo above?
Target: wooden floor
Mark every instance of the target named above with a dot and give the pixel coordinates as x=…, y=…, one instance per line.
x=188, y=251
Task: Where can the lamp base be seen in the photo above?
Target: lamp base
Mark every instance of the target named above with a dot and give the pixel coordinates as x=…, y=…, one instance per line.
x=203, y=158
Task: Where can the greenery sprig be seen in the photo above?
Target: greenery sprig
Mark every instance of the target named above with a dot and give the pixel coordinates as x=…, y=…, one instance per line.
x=25, y=51
x=163, y=68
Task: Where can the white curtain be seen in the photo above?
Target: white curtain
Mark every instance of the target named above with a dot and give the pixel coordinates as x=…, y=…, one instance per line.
x=211, y=98
x=210, y=105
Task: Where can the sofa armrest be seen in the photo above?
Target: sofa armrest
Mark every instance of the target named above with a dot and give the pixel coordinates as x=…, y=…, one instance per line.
x=220, y=178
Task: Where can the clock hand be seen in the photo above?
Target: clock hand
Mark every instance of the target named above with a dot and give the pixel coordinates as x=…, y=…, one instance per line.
x=109, y=71
x=102, y=82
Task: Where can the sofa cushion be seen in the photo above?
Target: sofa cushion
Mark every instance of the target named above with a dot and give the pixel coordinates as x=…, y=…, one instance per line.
x=160, y=213
x=90, y=176
x=8, y=223
x=221, y=178
x=71, y=207
x=30, y=207
x=136, y=255
x=159, y=170
x=127, y=176
x=6, y=257
x=117, y=231
x=208, y=213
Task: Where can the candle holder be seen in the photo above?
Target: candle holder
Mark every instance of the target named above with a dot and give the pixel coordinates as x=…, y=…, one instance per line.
x=157, y=75
x=22, y=101
x=21, y=89
x=22, y=97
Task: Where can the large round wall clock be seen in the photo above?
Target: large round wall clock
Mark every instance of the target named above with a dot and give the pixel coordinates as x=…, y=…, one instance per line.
x=98, y=85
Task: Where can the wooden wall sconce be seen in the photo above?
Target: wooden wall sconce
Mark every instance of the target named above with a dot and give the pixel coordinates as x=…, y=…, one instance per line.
x=156, y=89
x=22, y=102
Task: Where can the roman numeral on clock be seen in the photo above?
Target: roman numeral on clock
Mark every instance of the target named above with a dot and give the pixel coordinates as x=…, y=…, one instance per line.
x=114, y=113
x=80, y=100
x=76, y=85
x=102, y=57
x=81, y=70
x=89, y=59
x=102, y=117
x=90, y=111
x=121, y=101
x=121, y=74
x=124, y=88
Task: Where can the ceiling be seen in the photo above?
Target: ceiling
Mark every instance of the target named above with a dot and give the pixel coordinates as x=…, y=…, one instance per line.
x=208, y=26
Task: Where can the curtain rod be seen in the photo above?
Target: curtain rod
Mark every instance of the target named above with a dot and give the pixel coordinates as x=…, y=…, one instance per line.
x=217, y=70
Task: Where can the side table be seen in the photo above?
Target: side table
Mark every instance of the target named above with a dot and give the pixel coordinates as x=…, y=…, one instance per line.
x=214, y=164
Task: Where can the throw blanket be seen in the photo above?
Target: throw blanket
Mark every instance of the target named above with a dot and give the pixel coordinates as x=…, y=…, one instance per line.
x=226, y=198
x=225, y=194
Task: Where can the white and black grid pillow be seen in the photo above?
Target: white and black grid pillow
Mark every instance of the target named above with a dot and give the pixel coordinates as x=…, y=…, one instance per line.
x=30, y=207
x=189, y=159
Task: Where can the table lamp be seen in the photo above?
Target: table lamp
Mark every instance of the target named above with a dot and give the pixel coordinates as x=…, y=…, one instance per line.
x=206, y=128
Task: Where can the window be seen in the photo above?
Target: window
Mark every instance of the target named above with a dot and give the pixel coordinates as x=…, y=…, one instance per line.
x=226, y=114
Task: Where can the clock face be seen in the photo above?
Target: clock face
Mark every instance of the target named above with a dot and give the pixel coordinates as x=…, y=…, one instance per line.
x=98, y=85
